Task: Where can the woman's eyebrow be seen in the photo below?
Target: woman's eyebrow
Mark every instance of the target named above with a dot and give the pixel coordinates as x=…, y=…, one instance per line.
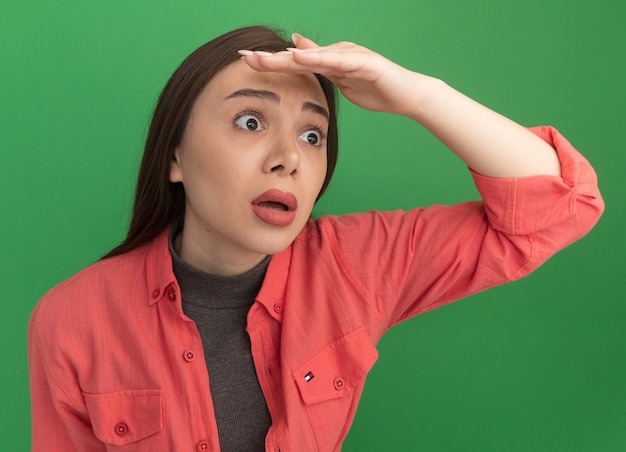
x=260, y=93
x=315, y=108
x=270, y=95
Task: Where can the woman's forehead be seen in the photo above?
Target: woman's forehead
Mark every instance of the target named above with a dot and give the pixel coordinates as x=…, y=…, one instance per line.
x=239, y=75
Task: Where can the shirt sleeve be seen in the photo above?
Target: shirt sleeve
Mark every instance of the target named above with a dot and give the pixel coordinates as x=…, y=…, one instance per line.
x=412, y=262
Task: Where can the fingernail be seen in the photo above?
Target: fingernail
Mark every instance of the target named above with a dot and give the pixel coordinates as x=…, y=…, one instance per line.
x=245, y=52
x=295, y=50
x=262, y=53
x=295, y=37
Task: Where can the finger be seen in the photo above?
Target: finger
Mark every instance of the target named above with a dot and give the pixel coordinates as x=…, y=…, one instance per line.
x=277, y=62
x=330, y=65
x=303, y=43
x=272, y=62
x=340, y=59
x=357, y=64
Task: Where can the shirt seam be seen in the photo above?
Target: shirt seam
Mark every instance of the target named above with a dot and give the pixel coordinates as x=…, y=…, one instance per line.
x=48, y=362
x=512, y=205
x=88, y=270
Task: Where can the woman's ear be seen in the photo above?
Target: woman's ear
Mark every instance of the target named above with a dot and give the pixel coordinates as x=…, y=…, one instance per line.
x=176, y=172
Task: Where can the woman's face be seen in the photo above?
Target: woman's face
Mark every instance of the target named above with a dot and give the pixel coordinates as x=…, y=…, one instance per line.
x=252, y=161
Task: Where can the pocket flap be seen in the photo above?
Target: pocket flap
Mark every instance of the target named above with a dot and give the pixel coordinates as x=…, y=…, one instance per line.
x=336, y=369
x=124, y=417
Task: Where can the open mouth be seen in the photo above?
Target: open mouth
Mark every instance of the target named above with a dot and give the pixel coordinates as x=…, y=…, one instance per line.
x=277, y=200
x=274, y=206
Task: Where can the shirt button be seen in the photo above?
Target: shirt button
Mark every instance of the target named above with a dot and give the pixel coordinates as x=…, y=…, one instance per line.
x=202, y=446
x=121, y=429
x=171, y=294
x=278, y=308
x=338, y=383
x=155, y=293
x=189, y=355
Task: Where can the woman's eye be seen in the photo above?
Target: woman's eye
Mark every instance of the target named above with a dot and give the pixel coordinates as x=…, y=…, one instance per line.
x=249, y=122
x=312, y=137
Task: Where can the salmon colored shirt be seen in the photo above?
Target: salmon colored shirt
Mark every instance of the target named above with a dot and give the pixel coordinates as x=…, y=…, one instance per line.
x=116, y=365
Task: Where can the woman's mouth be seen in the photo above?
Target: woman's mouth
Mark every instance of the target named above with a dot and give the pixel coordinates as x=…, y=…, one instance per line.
x=275, y=207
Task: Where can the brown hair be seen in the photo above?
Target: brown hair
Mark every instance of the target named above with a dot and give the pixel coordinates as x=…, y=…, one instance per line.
x=158, y=202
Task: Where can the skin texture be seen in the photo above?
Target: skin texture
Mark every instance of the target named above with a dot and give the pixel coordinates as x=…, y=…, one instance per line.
x=237, y=145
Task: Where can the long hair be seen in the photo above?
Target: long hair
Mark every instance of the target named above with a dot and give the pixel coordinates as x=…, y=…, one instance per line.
x=158, y=202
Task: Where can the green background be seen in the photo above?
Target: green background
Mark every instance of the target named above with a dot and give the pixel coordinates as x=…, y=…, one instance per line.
x=537, y=365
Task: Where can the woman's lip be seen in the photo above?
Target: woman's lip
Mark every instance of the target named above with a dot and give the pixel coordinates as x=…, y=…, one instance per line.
x=288, y=199
x=273, y=216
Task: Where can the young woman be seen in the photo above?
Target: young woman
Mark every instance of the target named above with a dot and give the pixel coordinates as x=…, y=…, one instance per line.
x=230, y=320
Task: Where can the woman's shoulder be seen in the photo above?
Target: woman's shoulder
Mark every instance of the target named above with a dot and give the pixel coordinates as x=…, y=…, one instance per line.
x=93, y=288
x=99, y=273
x=360, y=224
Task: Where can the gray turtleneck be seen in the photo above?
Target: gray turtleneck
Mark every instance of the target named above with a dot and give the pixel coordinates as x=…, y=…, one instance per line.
x=219, y=306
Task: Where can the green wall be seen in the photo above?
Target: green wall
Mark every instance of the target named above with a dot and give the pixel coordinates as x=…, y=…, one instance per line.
x=537, y=365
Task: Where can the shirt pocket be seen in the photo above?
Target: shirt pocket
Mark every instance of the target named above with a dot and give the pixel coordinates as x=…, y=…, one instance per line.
x=330, y=385
x=128, y=418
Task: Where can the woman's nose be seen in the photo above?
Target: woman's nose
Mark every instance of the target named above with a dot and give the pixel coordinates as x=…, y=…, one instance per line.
x=284, y=157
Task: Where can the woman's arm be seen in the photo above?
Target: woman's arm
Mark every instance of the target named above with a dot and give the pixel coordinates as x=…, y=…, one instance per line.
x=425, y=258
x=487, y=142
